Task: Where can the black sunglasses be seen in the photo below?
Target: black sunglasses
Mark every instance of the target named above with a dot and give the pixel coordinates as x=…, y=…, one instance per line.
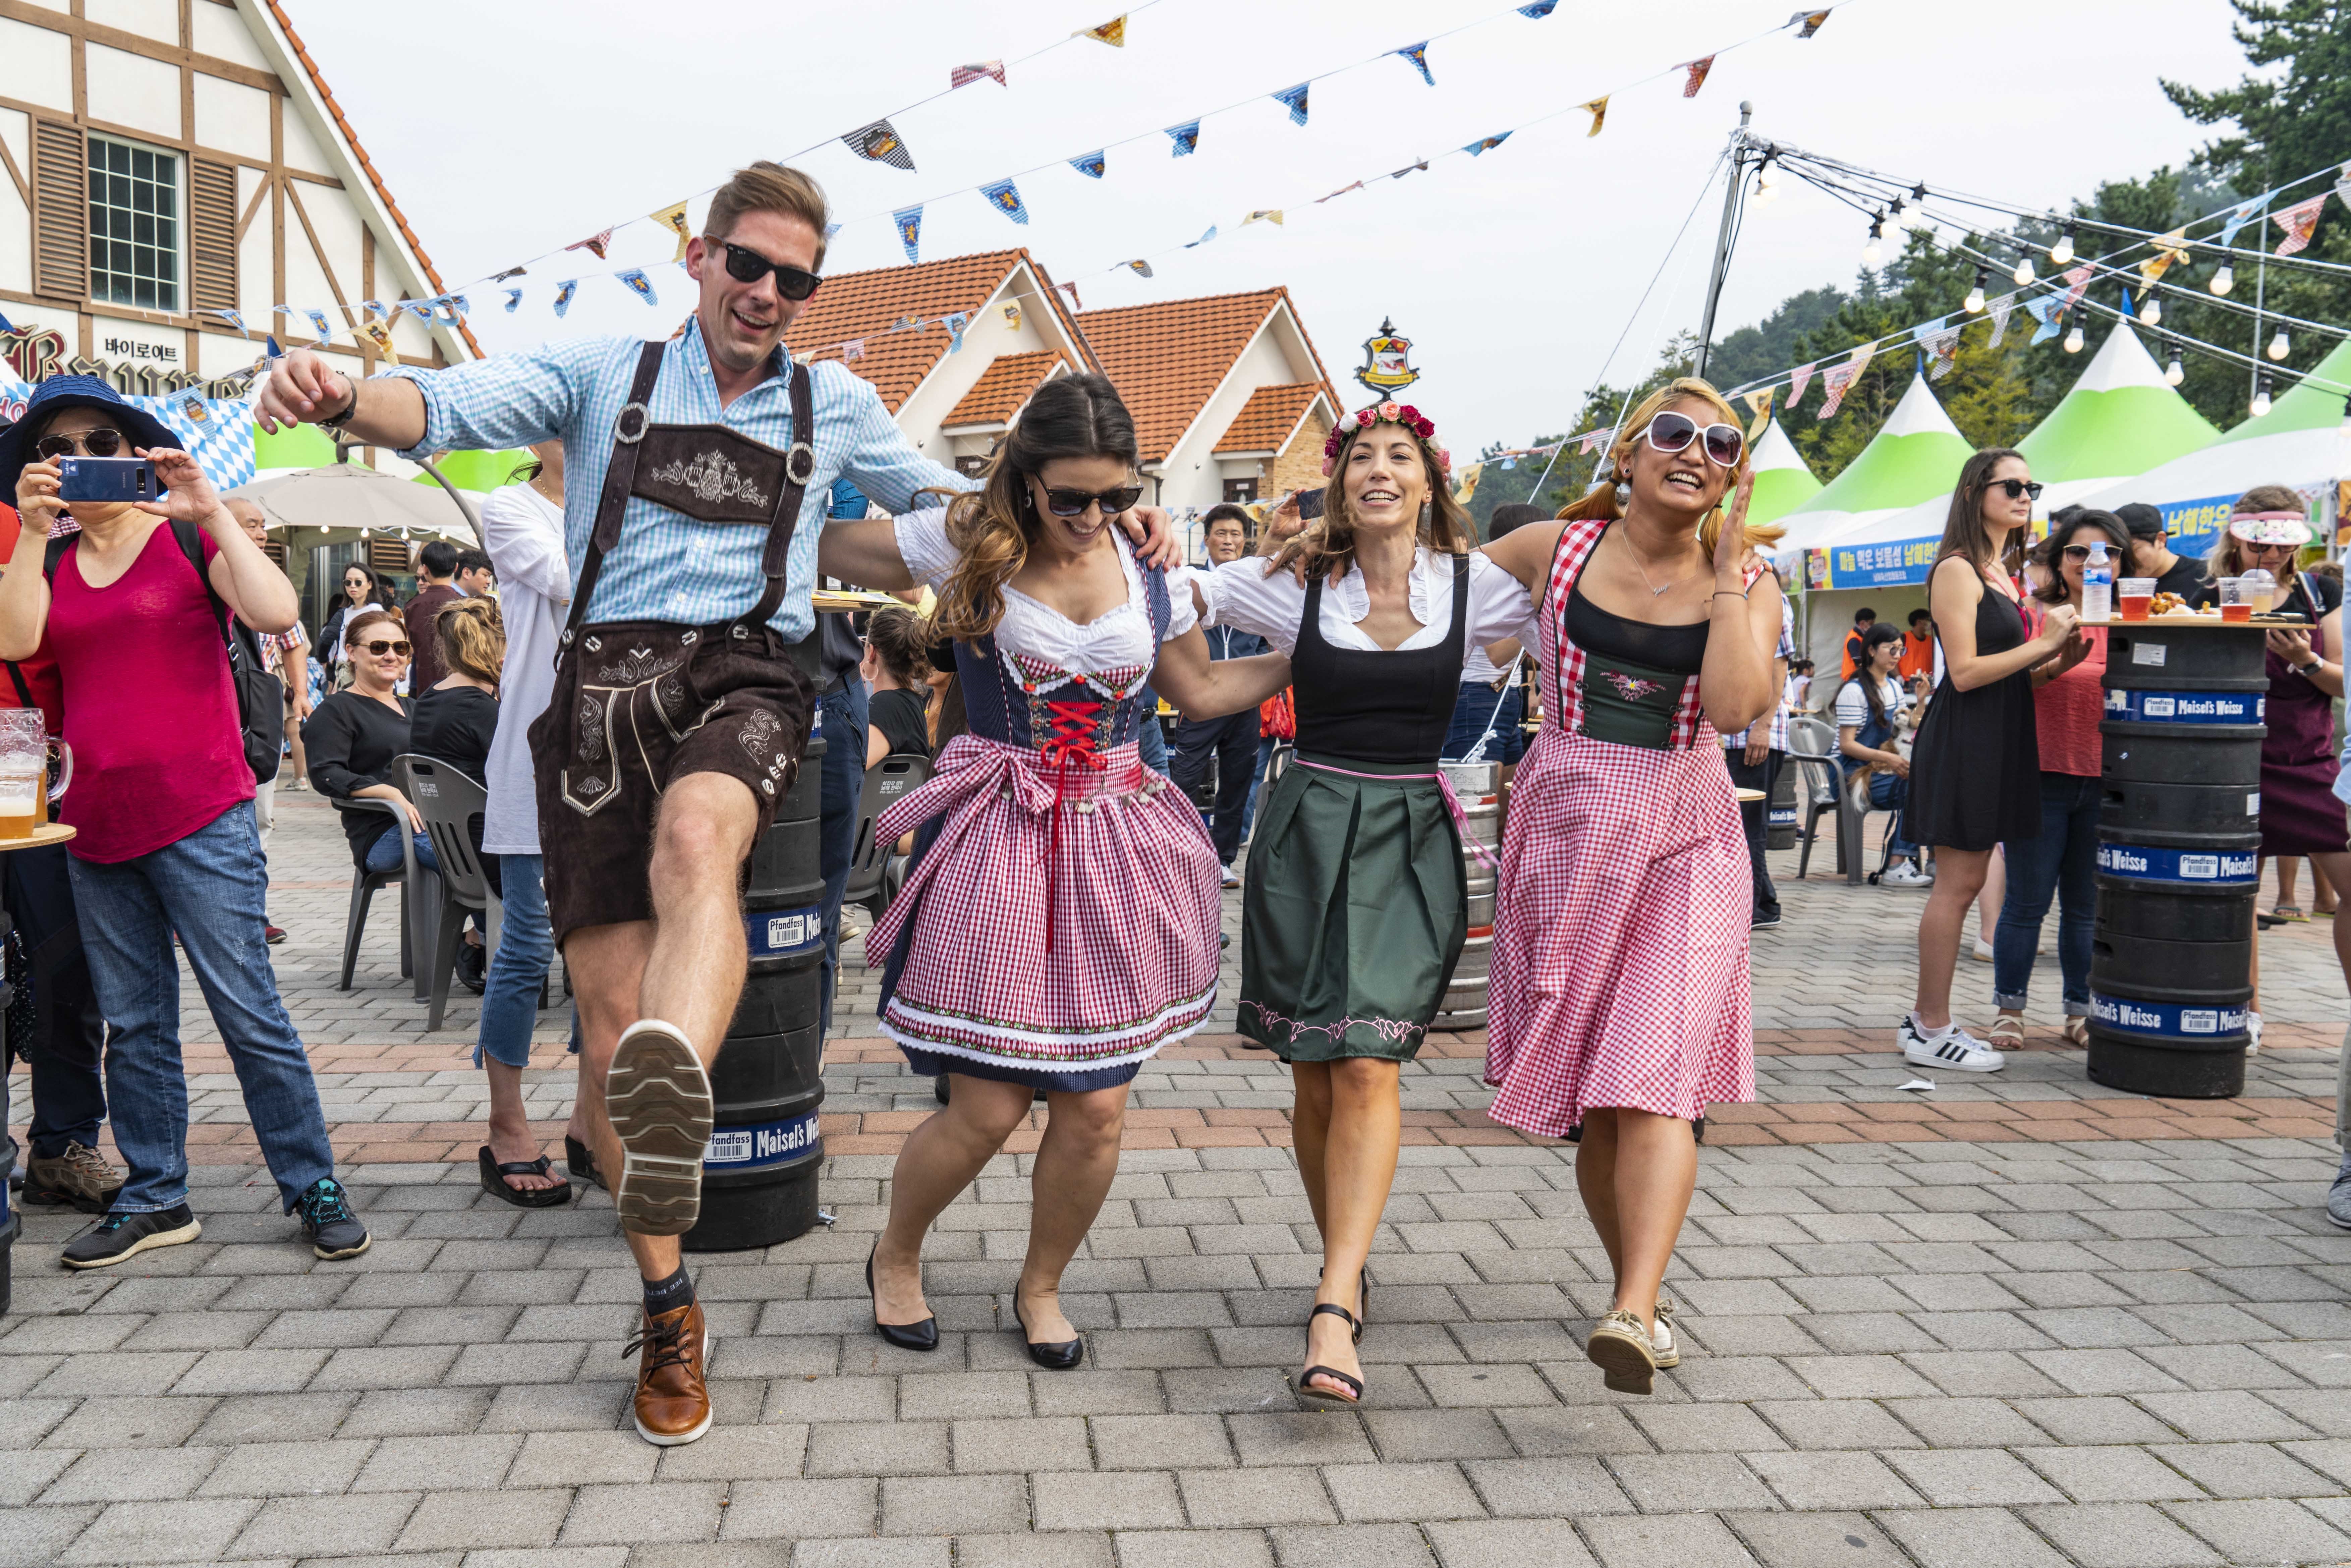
x=1672, y=432
x=746, y=266
x=378, y=648
x=2015, y=487
x=1064, y=502
x=102, y=441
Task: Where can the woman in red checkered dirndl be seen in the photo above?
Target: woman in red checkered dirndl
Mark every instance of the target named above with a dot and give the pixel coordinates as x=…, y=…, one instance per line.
x=1618, y=1002
x=1059, y=924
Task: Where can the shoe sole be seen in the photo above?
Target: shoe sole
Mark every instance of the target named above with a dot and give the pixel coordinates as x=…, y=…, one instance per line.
x=1930, y=1060
x=658, y=1097
x=32, y=1197
x=678, y=1439
x=188, y=1232
x=365, y=1242
x=1667, y=1359
x=1625, y=1367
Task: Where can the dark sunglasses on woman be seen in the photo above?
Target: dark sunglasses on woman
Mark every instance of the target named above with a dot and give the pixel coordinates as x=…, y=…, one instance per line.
x=746, y=266
x=2016, y=488
x=380, y=647
x=102, y=441
x=1064, y=502
x=1671, y=431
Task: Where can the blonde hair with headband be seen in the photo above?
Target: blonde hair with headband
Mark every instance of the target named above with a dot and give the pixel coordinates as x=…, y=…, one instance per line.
x=2266, y=514
x=1602, y=502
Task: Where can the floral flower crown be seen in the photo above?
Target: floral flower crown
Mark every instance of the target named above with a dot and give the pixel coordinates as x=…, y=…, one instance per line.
x=1402, y=414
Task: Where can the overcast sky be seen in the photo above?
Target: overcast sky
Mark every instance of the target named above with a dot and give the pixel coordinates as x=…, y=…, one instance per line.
x=509, y=129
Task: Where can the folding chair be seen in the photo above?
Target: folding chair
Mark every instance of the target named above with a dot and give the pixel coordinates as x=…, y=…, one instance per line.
x=875, y=870
x=365, y=882
x=448, y=801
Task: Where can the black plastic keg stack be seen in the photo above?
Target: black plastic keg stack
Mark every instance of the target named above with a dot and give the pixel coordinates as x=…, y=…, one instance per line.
x=759, y=1175
x=2179, y=837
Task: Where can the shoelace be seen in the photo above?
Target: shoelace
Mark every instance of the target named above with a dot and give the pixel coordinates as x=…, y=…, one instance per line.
x=1072, y=741
x=82, y=1157
x=663, y=1345
x=324, y=1204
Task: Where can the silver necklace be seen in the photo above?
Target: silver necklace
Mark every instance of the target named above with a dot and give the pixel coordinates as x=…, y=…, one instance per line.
x=1655, y=592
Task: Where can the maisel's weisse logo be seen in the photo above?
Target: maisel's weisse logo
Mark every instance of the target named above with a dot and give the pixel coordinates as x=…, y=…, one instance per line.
x=2185, y=708
x=2143, y=862
x=2164, y=1018
x=741, y=1148
x=1386, y=368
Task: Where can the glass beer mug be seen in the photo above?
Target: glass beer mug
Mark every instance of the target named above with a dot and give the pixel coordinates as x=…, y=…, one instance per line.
x=35, y=772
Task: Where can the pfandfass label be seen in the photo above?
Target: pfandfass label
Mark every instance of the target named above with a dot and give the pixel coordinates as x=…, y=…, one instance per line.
x=768, y=1144
x=784, y=933
x=2166, y=1017
x=2142, y=862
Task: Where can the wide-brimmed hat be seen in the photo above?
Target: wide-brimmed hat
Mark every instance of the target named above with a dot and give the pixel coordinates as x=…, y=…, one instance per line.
x=142, y=429
x=2271, y=528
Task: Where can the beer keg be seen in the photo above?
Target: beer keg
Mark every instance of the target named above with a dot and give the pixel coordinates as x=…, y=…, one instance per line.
x=2178, y=840
x=1780, y=812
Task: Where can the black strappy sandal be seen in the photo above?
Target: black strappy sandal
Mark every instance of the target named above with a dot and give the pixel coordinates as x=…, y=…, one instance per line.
x=578, y=1163
x=493, y=1181
x=1302, y=1387
x=1363, y=1300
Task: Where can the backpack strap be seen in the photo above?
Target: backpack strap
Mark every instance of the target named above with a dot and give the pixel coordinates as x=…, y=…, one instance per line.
x=16, y=679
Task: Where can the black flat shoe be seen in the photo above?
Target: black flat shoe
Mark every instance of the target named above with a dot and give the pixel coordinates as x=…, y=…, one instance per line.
x=578, y=1163
x=1304, y=1389
x=1055, y=1357
x=923, y=1335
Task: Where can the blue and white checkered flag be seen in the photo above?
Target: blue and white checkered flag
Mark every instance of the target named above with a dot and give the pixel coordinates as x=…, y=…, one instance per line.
x=217, y=431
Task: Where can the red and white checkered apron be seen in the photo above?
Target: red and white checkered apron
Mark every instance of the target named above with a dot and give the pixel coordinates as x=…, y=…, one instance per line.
x=1132, y=879
x=1620, y=932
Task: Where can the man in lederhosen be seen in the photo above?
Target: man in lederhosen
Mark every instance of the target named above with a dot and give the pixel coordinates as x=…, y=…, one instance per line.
x=678, y=717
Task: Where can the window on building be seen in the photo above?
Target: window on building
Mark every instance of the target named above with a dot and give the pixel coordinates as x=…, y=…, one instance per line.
x=970, y=467
x=1240, y=492
x=134, y=226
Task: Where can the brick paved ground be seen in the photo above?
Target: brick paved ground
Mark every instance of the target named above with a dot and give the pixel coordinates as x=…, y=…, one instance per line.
x=2017, y=1321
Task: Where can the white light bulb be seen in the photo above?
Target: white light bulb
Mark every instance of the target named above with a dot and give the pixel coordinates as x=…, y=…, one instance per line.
x=1766, y=188
x=2073, y=339
x=2262, y=399
x=1975, y=300
x=1869, y=252
x=2023, y=273
x=2174, y=374
x=2225, y=279
x=2153, y=314
x=2281, y=345
x=2062, y=251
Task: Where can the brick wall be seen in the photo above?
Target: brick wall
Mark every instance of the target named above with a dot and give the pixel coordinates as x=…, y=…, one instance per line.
x=1299, y=465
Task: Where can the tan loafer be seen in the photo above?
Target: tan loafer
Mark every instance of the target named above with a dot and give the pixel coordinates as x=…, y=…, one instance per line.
x=1620, y=1348
x=1661, y=1339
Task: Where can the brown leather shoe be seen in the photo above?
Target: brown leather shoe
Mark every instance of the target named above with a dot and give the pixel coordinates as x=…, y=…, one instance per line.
x=673, y=1400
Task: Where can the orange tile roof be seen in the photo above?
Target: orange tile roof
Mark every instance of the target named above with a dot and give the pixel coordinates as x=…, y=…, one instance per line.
x=1167, y=359
x=1269, y=418
x=1003, y=388
x=854, y=305
x=350, y=138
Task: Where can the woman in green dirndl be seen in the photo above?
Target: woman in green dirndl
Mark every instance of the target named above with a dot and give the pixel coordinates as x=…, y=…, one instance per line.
x=1355, y=908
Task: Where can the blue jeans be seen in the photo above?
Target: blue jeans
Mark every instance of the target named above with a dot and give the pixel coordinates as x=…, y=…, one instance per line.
x=1265, y=744
x=209, y=888
x=1150, y=739
x=384, y=853
x=518, y=968
x=1478, y=704
x=2063, y=860
x=63, y=1050
x=1893, y=793
x=843, y=784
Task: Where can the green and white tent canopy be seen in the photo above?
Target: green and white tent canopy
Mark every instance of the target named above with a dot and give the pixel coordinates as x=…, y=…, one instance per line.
x=1783, y=481
x=2304, y=442
x=2119, y=419
x=1917, y=454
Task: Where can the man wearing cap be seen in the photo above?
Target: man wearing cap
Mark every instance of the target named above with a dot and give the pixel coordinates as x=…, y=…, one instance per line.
x=679, y=714
x=133, y=608
x=2151, y=554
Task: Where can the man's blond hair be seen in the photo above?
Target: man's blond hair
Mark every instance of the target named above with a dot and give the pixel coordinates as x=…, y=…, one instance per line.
x=766, y=187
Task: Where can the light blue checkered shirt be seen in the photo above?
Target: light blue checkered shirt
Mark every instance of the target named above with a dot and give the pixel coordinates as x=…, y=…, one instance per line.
x=1786, y=650
x=667, y=567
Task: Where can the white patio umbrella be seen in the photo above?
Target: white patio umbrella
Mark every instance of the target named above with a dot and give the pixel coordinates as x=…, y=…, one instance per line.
x=348, y=496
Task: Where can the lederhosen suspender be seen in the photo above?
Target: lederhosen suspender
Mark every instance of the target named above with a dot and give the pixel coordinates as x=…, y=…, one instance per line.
x=631, y=434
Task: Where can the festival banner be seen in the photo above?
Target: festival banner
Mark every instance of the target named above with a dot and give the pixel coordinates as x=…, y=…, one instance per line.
x=1006, y=198
x=1895, y=564
x=1798, y=380
x=1835, y=380
x=1807, y=22
x=964, y=76
x=1696, y=69
x=1598, y=109
x=1113, y=32
x=1759, y=406
x=1293, y=98
x=672, y=218
x=880, y=144
x=1090, y=164
x=1484, y=144
x=2299, y=222
x=594, y=245
x=1419, y=55
x=1186, y=138
x=910, y=230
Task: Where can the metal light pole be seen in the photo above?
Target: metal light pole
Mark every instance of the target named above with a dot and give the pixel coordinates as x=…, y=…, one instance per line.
x=1731, y=200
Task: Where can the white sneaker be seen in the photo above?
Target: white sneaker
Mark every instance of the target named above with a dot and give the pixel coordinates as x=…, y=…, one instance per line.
x=1953, y=1050
x=1904, y=874
x=1983, y=951
x=1232, y=877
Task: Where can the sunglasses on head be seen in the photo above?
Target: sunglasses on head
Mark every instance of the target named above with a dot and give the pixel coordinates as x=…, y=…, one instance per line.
x=2016, y=488
x=381, y=646
x=102, y=441
x=1064, y=502
x=1672, y=432
x=746, y=266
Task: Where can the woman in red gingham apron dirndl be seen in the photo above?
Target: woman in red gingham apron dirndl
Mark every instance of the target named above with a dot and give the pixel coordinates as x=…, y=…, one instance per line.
x=1620, y=978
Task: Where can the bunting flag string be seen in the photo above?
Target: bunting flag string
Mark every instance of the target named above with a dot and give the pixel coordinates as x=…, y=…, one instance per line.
x=955, y=324
x=1090, y=164
x=1356, y=186
x=1113, y=32
x=1186, y=138
x=879, y=143
x=1203, y=239
x=320, y=325
x=635, y=281
x=2240, y=215
x=2001, y=308
x=852, y=349
x=1293, y=98
x=673, y=217
x=1798, y=380
x=1940, y=343
x=514, y=302
x=1696, y=69
x=594, y=245
x=1419, y=55
x=2298, y=222
x=563, y=293
x=964, y=76
x=2343, y=185
x=910, y=231
x=1006, y=198
x=1539, y=10
x=1835, y=380
x=1268, y=214
x=2077, y=281
x=1484, y=144
x=1759, y=406
x=2170, y=251
x=1140, y=268
x=1075, y=303
x=2045, y=309
x=1811, y=21
x=1860, y=359
x=1599, y=110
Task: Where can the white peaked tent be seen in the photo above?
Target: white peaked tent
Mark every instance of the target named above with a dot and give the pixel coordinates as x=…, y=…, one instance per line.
x=1783, y=481
x=1916, y=455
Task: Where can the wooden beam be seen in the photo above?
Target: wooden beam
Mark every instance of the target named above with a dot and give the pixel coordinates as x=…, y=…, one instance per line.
x=24, y=186
x=252, y=208
x=277, y=211
x=80, y=27
x=325, y=266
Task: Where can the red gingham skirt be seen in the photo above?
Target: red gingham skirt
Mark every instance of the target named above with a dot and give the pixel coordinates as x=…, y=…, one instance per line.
x=1620, y=936
x=1134, y=885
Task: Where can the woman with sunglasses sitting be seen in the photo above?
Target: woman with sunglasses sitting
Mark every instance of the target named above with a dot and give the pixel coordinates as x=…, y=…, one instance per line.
x=356, y=734
x=1619, y=1002
x=1060, y=926
x=2069, y=701
x=1975, y=772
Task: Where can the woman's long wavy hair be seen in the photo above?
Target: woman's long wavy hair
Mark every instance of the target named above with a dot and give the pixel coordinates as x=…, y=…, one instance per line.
x=2060, y=534
x=993, y=527
x=472, y=636
x=1329, y=545
x=1603, y=501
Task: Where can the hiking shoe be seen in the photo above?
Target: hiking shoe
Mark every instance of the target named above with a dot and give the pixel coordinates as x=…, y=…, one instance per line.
x=1904, y=873
x=123, y=1235
x=327, y=1218
x=659, y=1099
x=1620, y=1348
x=672, y=1403
x=79, y=1178
x=1952, y=1047
x=1661, y=1339
x=2338, y=1197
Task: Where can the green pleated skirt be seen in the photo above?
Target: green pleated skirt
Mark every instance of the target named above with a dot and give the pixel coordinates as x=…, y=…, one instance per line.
x=1354, y=913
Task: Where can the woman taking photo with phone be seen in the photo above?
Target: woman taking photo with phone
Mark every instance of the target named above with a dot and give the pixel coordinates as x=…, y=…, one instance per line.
x=1355, y=904
x=1975, y=772
x=1618, y=1007
x=1060, y=926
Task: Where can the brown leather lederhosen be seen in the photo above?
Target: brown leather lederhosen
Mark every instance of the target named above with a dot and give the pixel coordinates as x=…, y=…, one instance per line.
x=637, y=704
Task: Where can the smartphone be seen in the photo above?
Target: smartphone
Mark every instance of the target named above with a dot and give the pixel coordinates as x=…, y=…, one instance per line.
x=1309, y=505
x=107, y=479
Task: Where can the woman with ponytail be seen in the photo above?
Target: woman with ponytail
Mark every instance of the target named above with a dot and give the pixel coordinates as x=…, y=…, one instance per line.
x=1059, y=924
x=1618, y=1005
x=1355, y=901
